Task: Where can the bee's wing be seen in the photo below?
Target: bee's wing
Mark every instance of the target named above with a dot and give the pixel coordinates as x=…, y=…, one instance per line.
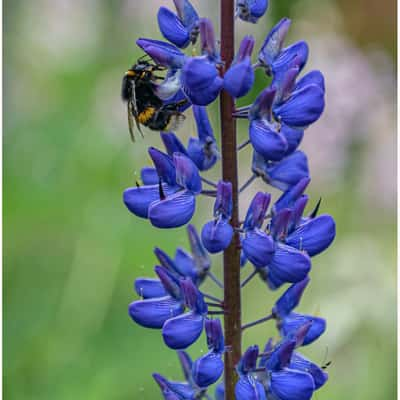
x=176, y=121
x=134, y=108
x=130, y=121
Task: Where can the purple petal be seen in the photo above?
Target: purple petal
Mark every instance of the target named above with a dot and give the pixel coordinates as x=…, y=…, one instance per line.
x=215, y=337
x=182, y=331
x=200, y=81
x=162, y=53
x=292, y=385
x=303, y=108
x=293, y=322
x=314, y=236
x=187, y=174
x=259, y=248
x=239, y=78
x=172, y=28
x=185, y=264
x=290, y=299
x=207, y=38
x=286, y=56
x=301, y=363
x=313, y=77
x=262, y=106
x=293, y=138
x=248, y=362
x=164, y=166
x=204, y=128
x=152, y=313
x=266, y=141
x=216, y=235
x=289, y=171
x=247, y=388
x=203, y=153
x=281, y=356
x=149, y=288
x=207, y=369
x=139, y=199
x=149, y=176
x=291, y=195
x=273, y=42
x=257, y=211
x=172, y=144
x=200, y=255
x=174, y=211
x=289, y=264
x=223, y=201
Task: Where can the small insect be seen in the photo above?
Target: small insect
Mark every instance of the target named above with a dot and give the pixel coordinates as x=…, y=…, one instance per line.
x=144, y=107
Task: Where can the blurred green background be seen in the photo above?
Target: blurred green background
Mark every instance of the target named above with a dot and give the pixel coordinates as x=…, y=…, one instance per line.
x=72, y=251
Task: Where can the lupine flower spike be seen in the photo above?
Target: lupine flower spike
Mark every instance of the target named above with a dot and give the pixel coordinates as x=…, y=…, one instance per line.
x=277, y=239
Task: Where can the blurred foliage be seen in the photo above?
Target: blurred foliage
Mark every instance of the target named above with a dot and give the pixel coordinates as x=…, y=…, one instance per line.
x=72, y=251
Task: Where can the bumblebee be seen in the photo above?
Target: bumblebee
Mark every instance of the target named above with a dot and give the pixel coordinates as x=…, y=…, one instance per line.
x=144, y=106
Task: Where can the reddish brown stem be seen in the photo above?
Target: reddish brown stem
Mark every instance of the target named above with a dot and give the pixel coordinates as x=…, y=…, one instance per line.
x=232, y=301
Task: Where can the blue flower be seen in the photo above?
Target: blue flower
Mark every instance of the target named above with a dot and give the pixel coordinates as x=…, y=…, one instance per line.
x=195, y=265
x=283, y=382
x=208, y=369
x=201, y=82
x=164, y=54
x=203, y=150
x=247, y=387
x=272, y=45
x=283, y=174
x=217, y=235
x=239, y=78
x=171, y=203
x=153, y=312
x=264, y=134
x=275, y=261
x=293, y=322
x=181, y=331
x=301, y=104
x=181, y=28
x=314, y=235
x=290, y=299
x=301, y=363
x=251, y=10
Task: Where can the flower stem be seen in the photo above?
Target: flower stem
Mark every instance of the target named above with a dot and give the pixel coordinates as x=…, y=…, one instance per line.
x=232, y=301
x=259, y=321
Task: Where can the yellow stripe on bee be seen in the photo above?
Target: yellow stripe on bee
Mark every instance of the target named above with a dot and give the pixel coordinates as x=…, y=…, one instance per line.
x=130, y=73
x=145, y=115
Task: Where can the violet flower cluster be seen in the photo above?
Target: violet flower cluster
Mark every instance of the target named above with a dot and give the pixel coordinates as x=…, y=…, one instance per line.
x=278, y=239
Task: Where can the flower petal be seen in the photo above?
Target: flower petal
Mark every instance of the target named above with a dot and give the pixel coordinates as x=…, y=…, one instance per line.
x=207, y=369
x=180, y=332
x=149, y=288
x=164, y=166
x=289, y=171
x=314, y=236
x=216, y=235
x=289, y=264
x=152, y=313
x=172, y=28
x=290, y=299
x=301, y=363
x=162, y=53
x=187, y=174
x=266, y=141
x=149, y=176
x=314, y=77
x=247, y=388
x=293, y=322
x=293, y=138
x=286, y=56
x=174, y=211
x=288, y=198
x=259, y=248
x=303, y=107
x=139, y=199
x=257, y=211
x=292, y=385
x=239, y=78
x=273, y=42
